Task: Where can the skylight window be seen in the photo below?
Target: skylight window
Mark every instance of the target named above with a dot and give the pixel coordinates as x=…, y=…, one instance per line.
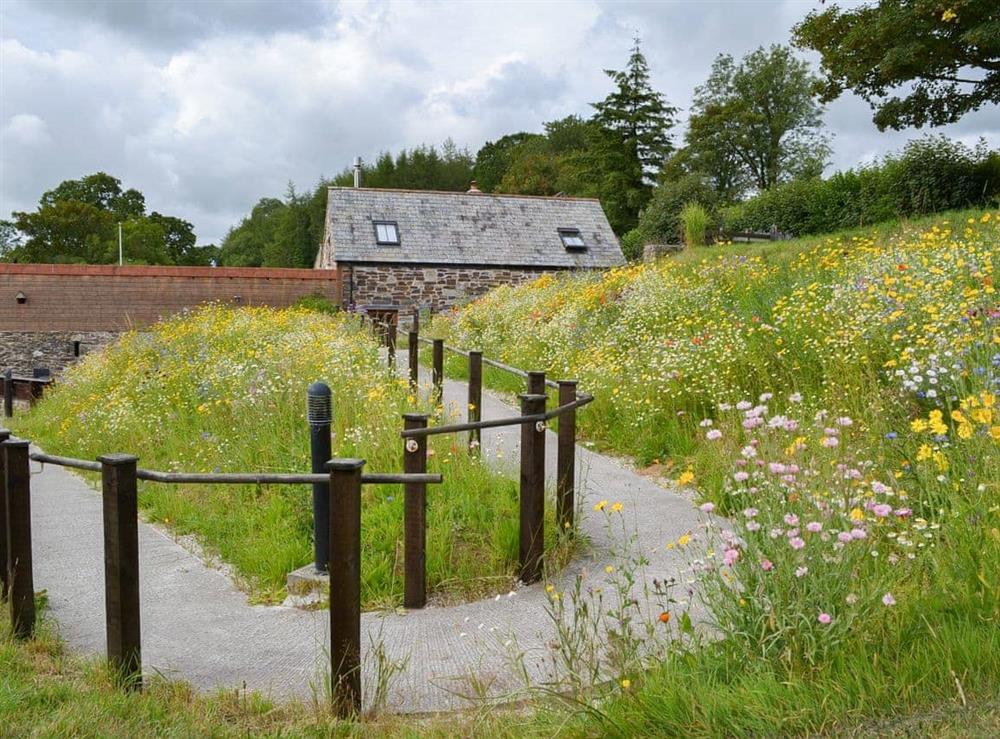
x=572, y=240
x=386, y=233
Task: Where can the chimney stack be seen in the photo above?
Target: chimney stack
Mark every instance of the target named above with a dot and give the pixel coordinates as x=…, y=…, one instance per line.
x=473, y=190
x=357, y=171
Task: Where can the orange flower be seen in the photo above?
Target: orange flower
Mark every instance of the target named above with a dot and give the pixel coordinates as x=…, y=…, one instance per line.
x=665, y=617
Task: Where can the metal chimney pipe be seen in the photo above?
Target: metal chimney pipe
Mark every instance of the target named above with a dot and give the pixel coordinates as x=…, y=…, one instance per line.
x=357, y=171
x=319, y=414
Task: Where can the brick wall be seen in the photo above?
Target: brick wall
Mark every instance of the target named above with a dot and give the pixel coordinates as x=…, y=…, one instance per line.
x=436, y=287
x=106, y=298
x=92, y=303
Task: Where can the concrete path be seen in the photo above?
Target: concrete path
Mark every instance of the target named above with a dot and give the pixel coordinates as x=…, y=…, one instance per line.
x=197, y=626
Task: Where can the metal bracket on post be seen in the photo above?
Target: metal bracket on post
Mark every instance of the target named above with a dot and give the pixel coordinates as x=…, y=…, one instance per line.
x=121, y=568
x=345, y=585
x=566, y=458
x=415, y=515
x=21, y=593
x=532, y=533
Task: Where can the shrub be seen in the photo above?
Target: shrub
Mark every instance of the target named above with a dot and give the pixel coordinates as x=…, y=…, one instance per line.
x=661, y=220
x=316, y=302
x=632, y=243
x=695, y=221
x=931, y=174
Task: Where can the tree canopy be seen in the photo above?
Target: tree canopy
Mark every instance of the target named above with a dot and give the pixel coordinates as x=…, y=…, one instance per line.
x=78, y=221
x=946, y=53
x=757, y=123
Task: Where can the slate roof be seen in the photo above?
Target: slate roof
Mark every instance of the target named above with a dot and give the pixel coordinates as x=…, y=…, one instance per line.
x=465, y=228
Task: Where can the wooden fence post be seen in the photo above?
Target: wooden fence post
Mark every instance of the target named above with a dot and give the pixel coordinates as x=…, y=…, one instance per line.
x=415, y=515
x=566, y=458
x=4, y=574
x=536, y=383
x=532, y=534
x=414, y=350
x=345, y=585
x=121, y=568
x=437, y=372
x=475, y=399
x=416, y=319
x=21, y=584
x=391, y=342
x=8, y=393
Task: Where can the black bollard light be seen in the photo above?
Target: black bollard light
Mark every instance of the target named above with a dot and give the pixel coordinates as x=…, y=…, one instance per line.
x=319, y=413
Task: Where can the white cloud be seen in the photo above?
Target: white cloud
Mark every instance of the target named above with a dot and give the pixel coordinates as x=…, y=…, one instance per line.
x=208, y=106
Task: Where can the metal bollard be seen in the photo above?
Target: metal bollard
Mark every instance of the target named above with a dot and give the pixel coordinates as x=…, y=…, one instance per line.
x=319, y=415
x=121, y=568
x=345, y=585
x=532, y=534
x=415, y=515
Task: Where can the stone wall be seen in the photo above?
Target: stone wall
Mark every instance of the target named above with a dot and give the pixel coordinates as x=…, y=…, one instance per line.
x=23, y=351
x=435, y=287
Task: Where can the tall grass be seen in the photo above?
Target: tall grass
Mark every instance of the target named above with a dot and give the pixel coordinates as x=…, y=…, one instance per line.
x=224, y=390
x=694, y=223
x=837, y=398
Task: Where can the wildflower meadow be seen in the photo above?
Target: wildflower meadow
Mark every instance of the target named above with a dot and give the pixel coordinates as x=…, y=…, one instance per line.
x=223, y=390
x=833, y=403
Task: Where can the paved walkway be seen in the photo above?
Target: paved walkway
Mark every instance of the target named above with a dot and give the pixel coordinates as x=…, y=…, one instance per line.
x=197, y=626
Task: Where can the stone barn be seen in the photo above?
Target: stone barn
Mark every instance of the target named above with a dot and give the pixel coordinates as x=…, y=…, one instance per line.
x=395, y=250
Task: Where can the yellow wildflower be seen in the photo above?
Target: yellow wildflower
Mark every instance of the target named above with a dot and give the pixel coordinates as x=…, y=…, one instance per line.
x=600, y=506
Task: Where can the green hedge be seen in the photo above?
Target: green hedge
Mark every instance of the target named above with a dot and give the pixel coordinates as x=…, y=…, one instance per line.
x=932, y=174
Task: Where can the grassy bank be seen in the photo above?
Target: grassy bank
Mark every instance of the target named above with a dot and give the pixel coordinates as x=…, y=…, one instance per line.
x=836, y=397
x=224, y=390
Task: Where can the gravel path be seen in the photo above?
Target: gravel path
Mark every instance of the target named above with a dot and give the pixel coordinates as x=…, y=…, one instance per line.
x=197, y=626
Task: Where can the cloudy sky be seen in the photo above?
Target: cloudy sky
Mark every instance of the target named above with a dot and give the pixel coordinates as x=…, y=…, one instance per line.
x=206, y=106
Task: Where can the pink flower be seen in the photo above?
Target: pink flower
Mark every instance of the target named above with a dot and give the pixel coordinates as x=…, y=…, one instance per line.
x=882, y=510
x=752, y=526
x=801, y=571
x=844, y=536
x=713, y=435
x=766, y=565
x=741, y=476
x=791, y=519
x=730, y=556
x=814, y=527
x=743, y=405
x=791, y=424
x=795, y=398
x=830, y=441
x=888, y=600
x=796, y=543
x=707, y=507
x=776, y=468
x=824, y=618
x=752, y=423
x=749, y=452
x=844, y=421
x=858, y=533
x=750, y=512
x=904, y=512
x=705, y=422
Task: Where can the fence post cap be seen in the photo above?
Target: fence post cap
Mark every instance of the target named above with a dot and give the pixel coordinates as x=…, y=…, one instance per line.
x=438, y=341
x=416, y=416
x=117, y=459
x=346, y=464
x=15, y=442
x=4, y=434
x=573, y=383
x=477, y=352
x=533, y=396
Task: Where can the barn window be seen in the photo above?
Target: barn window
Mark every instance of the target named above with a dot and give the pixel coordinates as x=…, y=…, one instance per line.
x=386, y=233
x=572, y=239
